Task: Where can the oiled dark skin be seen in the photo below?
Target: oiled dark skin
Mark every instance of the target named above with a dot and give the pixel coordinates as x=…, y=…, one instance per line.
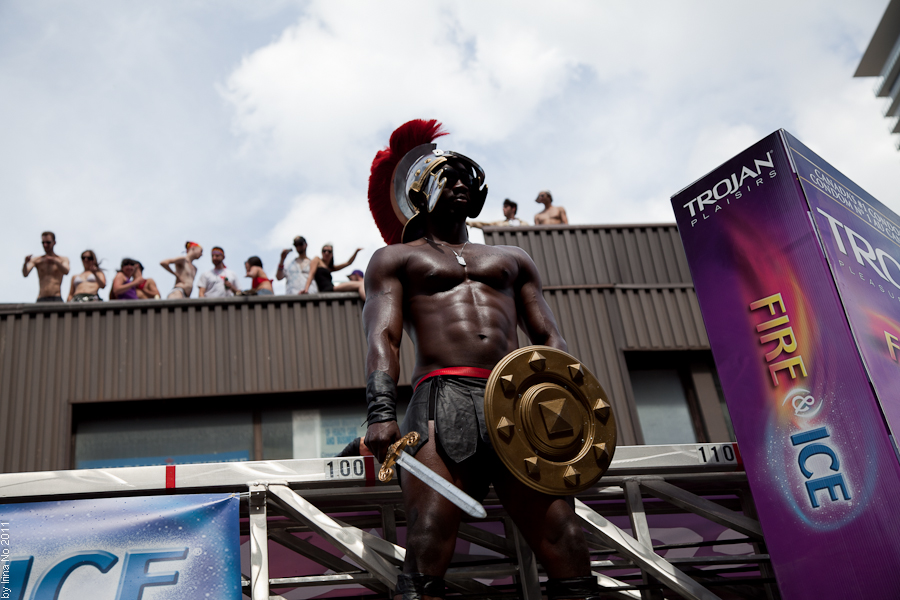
x=455, y=315
x=461, y=316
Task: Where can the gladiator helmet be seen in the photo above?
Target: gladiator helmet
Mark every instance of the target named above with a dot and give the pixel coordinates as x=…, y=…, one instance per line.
x=412, y=166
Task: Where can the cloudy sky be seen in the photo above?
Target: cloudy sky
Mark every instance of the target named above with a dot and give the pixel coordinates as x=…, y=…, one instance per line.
x=131, y=127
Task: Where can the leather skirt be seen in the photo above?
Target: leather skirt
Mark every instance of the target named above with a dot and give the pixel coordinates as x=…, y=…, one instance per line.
x=456, y=405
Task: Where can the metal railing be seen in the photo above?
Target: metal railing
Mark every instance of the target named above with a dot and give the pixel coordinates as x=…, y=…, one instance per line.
x=334, y=514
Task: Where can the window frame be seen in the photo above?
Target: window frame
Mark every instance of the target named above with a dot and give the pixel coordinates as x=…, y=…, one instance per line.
x=707, y=413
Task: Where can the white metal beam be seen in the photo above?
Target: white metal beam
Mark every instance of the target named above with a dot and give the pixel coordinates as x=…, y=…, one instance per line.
x=259, y=544
x=668, y=575
x=346, y=538
x=703, y=507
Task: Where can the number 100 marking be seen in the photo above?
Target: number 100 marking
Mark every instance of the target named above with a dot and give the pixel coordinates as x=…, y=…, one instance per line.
x=344, y=468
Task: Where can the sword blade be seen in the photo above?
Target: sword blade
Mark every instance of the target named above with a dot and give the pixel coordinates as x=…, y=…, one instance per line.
x=443, y=487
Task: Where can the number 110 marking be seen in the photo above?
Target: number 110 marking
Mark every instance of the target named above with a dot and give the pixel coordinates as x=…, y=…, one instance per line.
x=727, y=454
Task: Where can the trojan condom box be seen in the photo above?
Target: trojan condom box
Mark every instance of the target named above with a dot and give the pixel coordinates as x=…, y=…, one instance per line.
x=797, y=271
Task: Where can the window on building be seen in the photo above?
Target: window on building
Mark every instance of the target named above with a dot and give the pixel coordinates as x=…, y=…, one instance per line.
x=137, y=440
x=237, y=428
x=662, y=407
x=313, y=432
x=277, y=434
x=677, y=398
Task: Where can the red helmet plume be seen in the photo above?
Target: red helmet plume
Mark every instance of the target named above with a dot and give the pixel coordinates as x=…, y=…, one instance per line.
x=406, y=137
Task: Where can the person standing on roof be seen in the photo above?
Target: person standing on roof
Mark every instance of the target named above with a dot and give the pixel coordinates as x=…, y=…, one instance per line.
x=510, y=219
x=126, y=281
x=51, y=269
x=86, y=286
x=320, y=269
x=551, y=215
x=297, y=272
x=219, y=282
x=184, y=272
x=261, y=285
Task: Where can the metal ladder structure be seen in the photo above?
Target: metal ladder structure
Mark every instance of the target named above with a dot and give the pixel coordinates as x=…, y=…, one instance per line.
x=334, y=514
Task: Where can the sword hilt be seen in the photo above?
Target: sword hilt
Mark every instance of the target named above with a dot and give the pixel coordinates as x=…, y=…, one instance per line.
x=387, y=472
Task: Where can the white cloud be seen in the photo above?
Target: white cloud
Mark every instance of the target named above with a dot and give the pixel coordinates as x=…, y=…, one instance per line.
x=715, y=140
x=130, y=128
x=324, y=96
x=614, y=108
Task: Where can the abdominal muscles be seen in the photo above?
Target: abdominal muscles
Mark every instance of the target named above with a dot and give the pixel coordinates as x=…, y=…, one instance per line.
x=470, y=325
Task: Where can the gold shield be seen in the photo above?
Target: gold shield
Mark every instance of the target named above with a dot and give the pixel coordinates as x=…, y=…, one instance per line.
x=549, y=420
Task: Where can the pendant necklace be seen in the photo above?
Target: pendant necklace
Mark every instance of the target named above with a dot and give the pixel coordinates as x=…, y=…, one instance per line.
x=459, y=257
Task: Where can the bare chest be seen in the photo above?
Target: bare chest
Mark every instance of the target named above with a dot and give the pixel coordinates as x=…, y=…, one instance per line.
x=48, y=268
x=433, y=270
x=186, y=269
x=549, y=216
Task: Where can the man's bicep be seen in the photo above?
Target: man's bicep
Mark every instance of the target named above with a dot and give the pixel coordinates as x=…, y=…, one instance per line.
x=383, y=317
x=535, y=315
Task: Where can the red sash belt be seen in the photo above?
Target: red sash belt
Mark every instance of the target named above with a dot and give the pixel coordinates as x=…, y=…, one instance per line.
x=462, y=371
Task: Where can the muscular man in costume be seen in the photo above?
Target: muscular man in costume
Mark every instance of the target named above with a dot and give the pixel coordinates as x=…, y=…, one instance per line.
x=460, y=303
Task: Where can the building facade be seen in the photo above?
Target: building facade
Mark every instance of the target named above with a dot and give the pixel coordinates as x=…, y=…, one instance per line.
x=257, y=378
x=882, y=59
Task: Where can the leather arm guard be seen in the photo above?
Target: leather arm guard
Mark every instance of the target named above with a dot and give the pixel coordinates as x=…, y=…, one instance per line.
x=381, y=396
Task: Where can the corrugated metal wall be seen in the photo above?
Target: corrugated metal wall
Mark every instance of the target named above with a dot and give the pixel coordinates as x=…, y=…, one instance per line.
x=663, y=318
x=612, y=288
x=51, y=357
x=600, y=254
x=119, y=351
x=642, y=267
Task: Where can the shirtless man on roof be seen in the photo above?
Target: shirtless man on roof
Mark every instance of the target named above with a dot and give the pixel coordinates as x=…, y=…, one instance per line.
x=460, y=303
x=551, y=215
x=51, y=269
x=184, y=272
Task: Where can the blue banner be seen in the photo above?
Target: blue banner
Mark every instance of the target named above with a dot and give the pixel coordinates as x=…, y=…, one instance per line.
x=143, y=548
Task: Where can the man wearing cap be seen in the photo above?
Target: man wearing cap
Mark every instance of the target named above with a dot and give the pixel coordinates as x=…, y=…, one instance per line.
x=297, y=272
x=356, y=284
x=460, y=303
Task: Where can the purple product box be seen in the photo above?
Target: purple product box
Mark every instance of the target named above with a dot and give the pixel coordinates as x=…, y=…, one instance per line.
x=797, y=271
